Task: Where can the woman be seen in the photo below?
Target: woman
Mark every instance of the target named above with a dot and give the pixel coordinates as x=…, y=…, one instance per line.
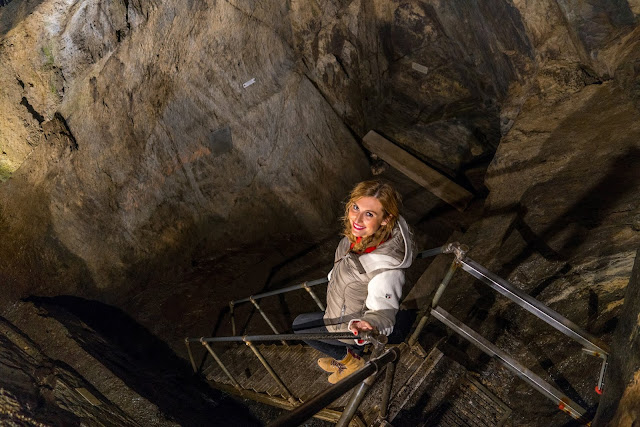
x=365, y=284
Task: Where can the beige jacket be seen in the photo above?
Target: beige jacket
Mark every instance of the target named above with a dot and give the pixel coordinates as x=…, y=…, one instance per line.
x=369, y=286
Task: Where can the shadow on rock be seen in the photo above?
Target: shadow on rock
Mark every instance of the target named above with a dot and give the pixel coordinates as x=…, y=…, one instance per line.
x=143, y=362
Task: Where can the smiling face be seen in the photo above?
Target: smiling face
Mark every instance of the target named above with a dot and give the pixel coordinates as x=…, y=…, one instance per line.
x=366, y=215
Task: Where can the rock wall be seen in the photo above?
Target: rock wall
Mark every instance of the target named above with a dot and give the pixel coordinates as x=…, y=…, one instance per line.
x=560, y=223
x=171, y=151
x=132, y=142
x=37, y=390
x=170, y=156
x=619, y=405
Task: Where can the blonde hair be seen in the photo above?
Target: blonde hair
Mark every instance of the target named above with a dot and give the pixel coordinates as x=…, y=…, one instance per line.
x=390, y=201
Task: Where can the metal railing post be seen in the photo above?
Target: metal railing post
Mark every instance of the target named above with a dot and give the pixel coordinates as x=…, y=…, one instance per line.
x=445, y=282
x=459, y=251
x=313, y=295
x=386, y=390
x=193, y=362
x=224, y=368
x=273, y=328
x=603, y=368
x=286, y=392
x=233, y=319
x=357, y=396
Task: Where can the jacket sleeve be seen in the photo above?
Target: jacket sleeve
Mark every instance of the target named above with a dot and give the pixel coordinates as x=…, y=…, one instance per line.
x=383, y=300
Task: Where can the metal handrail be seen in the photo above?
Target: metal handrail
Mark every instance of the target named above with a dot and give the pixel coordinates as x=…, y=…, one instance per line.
x=564, y=402
x=307, y=286
x=286, y=337
x=423, y=254
x=374, y=337
x=378, y=340
x=281, y=291
x=591, y=345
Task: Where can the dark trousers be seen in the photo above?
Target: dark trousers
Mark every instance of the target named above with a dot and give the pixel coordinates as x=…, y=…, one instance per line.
x=313, y=323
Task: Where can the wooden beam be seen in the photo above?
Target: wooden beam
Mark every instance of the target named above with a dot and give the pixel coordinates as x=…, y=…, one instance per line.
x=422, y=174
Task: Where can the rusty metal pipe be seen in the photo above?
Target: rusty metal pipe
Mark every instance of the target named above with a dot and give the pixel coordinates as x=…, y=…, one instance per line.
x=193, y=362
x=386, y=390
x=314, y=296
x=285, y=390
x=224, y=368
x=264, y=316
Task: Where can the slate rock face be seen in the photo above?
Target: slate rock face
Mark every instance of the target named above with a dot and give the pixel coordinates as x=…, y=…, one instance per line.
x=170, y=150
x=558, y=224
x=174, y=152
x=619, y=406
x=39, y=391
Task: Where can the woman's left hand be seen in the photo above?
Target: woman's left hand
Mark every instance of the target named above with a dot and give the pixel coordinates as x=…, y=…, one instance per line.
x=360, y=326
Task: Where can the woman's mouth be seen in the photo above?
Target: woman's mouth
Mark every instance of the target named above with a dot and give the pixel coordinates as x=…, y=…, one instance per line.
x=358, y=227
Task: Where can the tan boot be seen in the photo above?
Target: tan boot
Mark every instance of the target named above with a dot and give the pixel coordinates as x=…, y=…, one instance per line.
x=351, y=364
x=329, y=364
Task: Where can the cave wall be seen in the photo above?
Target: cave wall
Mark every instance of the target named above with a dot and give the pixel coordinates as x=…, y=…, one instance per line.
x=170, y=155
x=561, y=223
x=169, y=150
x=619, y=406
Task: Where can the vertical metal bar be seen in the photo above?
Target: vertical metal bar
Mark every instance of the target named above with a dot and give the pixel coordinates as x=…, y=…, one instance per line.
x=600, y=386
x=603, y=368
x=416, y=333
x=445, y=282
x=233, y=319
x=313, y=295
x=224, y=368
x=285, y=390
x=386, y=390
x=273, y=328
x=358, y=395
x=443, y=285
x=193, y=362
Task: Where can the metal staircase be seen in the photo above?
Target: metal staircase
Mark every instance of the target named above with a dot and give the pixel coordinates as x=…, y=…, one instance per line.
x=296, y=366
x=287, y=376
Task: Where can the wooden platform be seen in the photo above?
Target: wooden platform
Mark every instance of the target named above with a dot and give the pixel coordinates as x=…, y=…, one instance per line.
x=429, y=178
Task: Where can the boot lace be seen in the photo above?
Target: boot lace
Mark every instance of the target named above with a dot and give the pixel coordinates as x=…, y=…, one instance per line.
x=338, y=365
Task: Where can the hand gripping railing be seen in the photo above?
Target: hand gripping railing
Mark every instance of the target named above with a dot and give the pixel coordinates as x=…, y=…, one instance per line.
x=591, y=345
x=308, y=409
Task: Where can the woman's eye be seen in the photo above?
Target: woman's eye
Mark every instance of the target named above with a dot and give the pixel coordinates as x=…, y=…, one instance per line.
x=369, y=214
x=355, y=207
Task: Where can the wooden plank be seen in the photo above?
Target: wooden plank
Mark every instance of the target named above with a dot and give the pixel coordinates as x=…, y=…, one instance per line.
x=432, y=180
